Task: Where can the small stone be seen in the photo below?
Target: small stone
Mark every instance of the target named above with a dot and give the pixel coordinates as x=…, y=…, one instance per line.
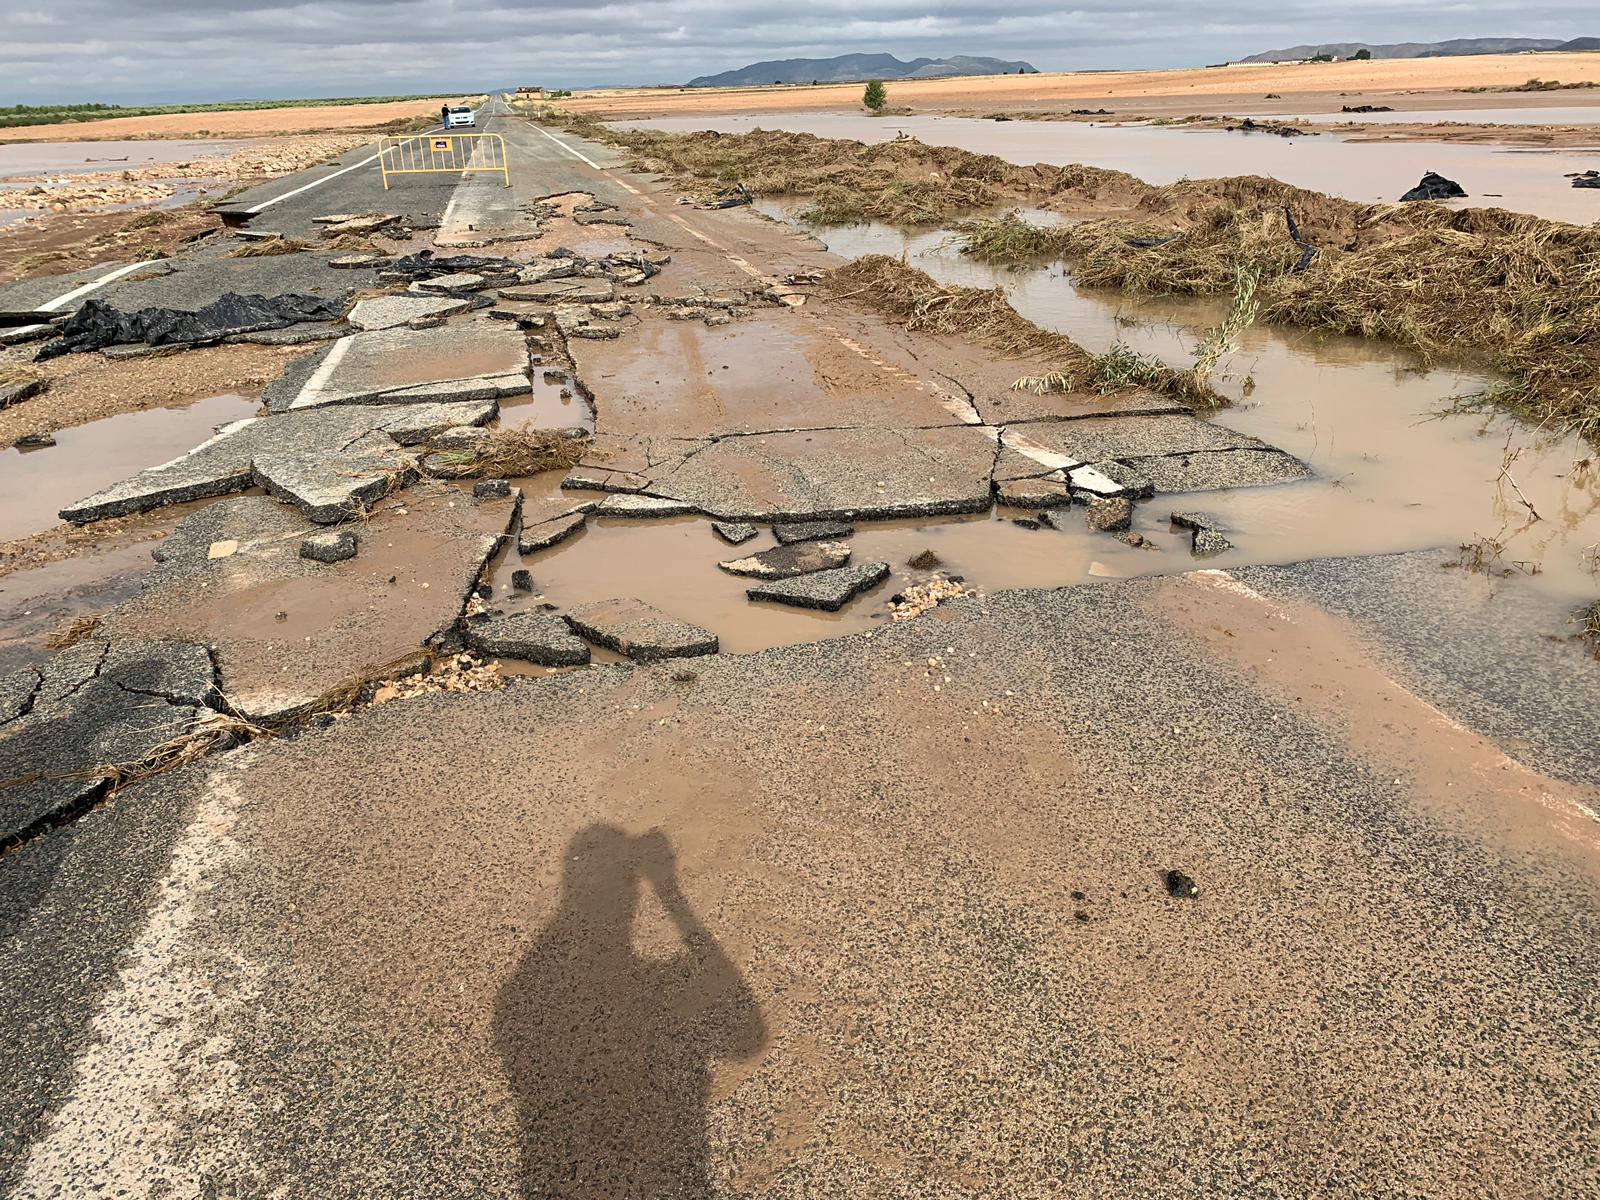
x=522, y=580
x=329, y=546
x=487, y=488
x=735, y=533
x=35, y=441
x=1180, y=886
x=1208, y=542
x=926, y=561
x=1109, y=515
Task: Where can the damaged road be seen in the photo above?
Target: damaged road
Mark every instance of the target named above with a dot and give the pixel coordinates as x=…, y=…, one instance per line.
x=880, y=909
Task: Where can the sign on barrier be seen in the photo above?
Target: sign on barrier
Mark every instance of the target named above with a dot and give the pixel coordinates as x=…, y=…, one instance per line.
x=440, y=154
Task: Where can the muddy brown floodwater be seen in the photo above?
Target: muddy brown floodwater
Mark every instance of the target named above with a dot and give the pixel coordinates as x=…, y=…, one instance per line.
x=1393, y=471
x=1369, y=172
x=36, y=484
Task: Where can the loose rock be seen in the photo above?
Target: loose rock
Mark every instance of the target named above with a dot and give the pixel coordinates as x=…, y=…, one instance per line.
x=735, y=533
x=1181, y=886
x=330, y=546
x=1109, y=515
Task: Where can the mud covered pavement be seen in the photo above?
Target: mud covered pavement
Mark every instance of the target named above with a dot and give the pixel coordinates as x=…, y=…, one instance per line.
x=303, y=889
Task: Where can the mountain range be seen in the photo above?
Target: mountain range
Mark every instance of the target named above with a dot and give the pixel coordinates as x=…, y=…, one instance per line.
x=1448, y=49
x=851, y=68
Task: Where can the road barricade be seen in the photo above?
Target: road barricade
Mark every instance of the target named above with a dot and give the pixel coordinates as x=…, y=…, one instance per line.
x=443, y=154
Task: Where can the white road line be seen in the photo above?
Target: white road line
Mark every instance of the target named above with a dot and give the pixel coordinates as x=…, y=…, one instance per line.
x=255, y=208
x=578, y=154
x=53, y=305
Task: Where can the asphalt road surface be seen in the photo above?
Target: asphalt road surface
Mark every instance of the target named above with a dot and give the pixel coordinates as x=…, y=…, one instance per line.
x=893, y=914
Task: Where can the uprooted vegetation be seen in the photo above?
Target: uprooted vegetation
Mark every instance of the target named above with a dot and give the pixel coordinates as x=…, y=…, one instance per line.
x=1518, y=293
x=903, y=181
x=984, y=315
x=1520, y=290
x=508, y=454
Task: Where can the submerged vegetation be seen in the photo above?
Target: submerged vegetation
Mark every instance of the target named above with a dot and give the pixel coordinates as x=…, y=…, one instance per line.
x=1517, y=293
x=984, y=315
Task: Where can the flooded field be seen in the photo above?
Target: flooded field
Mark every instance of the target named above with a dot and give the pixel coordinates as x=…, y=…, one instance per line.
x=78, y=158
x=1394, y=472
x=1566, y=115
x=1520, y=180
x=36, y=484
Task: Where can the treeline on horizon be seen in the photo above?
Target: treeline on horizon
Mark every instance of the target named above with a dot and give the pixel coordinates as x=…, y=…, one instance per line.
x=16, y=115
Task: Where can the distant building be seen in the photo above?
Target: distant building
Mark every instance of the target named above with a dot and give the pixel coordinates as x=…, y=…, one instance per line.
x=530, y=93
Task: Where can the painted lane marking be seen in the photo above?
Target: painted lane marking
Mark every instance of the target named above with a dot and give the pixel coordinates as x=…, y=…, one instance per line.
x=255, y=208
x=582, y=157
x=84, y=290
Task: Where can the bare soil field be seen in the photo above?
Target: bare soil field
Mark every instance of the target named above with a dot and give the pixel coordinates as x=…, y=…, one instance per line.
x=266, y=122
x=1421, y=84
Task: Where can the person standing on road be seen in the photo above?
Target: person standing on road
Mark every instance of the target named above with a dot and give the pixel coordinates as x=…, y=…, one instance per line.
x=444, y=115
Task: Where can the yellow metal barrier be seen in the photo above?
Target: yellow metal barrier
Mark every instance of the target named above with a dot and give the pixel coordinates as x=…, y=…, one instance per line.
x=442, y=153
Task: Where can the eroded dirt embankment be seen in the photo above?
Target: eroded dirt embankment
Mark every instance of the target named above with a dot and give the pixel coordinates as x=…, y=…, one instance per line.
x=1521, y=291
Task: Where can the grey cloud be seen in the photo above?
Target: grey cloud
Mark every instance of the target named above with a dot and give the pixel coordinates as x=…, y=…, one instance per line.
x=218, y=49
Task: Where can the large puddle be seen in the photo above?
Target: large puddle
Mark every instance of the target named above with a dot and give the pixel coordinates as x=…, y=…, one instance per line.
x=81, y=158
x=1521, y=180
x=36, y=484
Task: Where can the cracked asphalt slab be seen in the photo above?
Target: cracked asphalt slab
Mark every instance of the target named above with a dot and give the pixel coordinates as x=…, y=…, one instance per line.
x=880, y=915
x=952, y=970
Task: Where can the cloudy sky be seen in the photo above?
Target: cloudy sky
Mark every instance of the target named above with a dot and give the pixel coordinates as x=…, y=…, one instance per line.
x=180, y=50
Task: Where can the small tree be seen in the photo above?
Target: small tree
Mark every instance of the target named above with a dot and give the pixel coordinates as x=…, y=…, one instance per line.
x=875, y=97
x=1361, y=55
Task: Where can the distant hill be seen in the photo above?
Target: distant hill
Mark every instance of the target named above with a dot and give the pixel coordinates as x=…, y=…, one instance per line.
x=852, y=68
x=1448, y=49
x=1584, y=43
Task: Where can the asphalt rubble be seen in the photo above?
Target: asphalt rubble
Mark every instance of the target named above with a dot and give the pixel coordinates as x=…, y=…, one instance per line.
x=410, y=366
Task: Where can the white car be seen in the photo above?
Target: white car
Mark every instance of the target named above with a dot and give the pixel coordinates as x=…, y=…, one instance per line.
x=459, y=116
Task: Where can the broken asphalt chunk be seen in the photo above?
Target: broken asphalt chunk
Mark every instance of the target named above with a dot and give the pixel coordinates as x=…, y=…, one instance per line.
x=622, y=505
x=1108, y=515
x=735, y=533
x=334, y=487
x=330, y=546
x=548, y=533
x=1043, y=492
x=811, y=531
x=636, y=630
x=1207, y=533
x=826, y=590
x=784, y=562
x=536, y=637
x=386, y=312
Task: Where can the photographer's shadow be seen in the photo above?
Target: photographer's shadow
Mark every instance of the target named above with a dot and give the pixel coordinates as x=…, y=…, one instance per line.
x=609, y=1053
